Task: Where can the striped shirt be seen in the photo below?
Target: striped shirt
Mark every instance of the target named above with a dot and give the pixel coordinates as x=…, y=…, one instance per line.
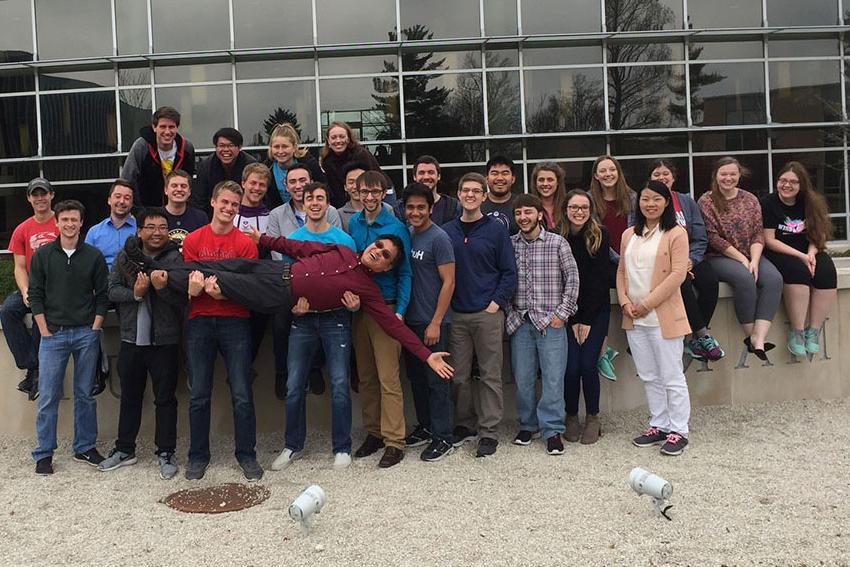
x=547, y=281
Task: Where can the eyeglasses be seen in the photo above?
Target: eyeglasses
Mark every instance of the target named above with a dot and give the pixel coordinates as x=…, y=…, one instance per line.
x=577, y=208
x=372, y=192
x=793, y=182
x=226, y=146
x=471, y=191
x=379, y=244
x=156, y=228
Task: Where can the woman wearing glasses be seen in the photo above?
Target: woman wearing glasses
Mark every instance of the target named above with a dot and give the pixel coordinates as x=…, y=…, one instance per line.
x=796, y=228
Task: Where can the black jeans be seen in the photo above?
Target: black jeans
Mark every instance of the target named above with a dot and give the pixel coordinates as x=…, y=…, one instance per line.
x=134, y=364
x=700, y=295
x=432, y=395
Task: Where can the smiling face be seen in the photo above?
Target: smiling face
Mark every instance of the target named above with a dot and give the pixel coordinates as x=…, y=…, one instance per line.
x=528, y=219
x=379, y=255
x=316, y=204
x=178, y=190
x=255, y=187
x=283, y=150
x=418, y=212
x=664, y=175
x=226, y=151
x=651, y=205
x=40, y=199
x=500, y=179
x=337, y=139
x=546, y=184
x=427, y=174
x=578, y=211
x=788, y=187
x=120, y=201
x=351, y=184
x=69, y=224
x=225, y=206
x=165, y=130
x=154, y=233
x=606, y=173
x=471, y=195
x=371, y=197
x=728, y=176
x=296, y=179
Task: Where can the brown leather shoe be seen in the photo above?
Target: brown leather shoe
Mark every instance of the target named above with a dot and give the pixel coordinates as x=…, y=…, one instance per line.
x=573, y=431
x=392, y=456
x=370, y=446
x=592, y=430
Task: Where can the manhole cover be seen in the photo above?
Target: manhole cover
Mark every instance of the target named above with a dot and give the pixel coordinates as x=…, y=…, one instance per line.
x=227, y=497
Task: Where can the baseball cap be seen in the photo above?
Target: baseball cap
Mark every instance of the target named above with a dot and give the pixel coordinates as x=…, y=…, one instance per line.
x=39, y=183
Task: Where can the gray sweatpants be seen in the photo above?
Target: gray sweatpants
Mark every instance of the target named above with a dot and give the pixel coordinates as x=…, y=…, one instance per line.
x=753, y=299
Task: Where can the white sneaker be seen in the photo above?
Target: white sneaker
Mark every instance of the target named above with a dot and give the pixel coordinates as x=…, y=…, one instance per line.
x=342, y=460
x=285, y=459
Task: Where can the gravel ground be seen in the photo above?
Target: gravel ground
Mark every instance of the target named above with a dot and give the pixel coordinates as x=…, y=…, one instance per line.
x=759, y=485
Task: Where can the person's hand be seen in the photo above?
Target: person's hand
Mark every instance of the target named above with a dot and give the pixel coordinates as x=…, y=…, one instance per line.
x=212, y=288
x=301, y=306
x=580, y=332
x=159, y=279
x=640, y=311
x=556, y=322
x=350, y=301
x=438, y=364
x=432, y=334
x=255, y=235
x=143, y=282
x=196, y=283
x=25, y=295
x=400, y=317
x=629, y=310
x=811, y=263
x=753, y=268
x=492, y=308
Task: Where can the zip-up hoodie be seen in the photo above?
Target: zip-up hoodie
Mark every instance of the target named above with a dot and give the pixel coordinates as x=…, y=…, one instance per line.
x=143, y=168
x=485, y=268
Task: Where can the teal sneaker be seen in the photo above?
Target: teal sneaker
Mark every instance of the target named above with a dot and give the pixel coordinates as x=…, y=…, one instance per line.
x=611, y=353
x=812, y=340
x=795, y=344
x=605, y=367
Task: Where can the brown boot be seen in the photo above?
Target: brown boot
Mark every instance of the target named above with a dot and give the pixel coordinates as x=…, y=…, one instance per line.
x=592, y=430
x=573, y=431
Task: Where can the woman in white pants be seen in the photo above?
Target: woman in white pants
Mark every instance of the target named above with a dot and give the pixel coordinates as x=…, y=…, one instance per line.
x=653, y=265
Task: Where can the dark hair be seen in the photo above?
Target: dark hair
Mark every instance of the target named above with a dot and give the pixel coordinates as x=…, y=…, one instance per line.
x=661, y=162
x=399, y=245
x=315, y=186
x=120, y=183
x=231, y=134
x=149, y=212
x=352, y=165
x=417, y=189
x=500, y=160
x=372, y=179
x=168, y=112
x=668, y=215
x=431, y=160
x=299, y=166
x=178, y=173
x=69, y=205
x=818, y=225
x=528, y=200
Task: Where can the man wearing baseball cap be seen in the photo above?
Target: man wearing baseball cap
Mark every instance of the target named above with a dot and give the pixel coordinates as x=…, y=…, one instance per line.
x=37, y=230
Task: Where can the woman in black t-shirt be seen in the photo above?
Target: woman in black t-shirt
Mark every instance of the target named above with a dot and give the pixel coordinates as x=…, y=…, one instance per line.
x=796, y=228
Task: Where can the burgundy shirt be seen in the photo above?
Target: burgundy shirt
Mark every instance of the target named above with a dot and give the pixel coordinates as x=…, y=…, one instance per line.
x=323, y=272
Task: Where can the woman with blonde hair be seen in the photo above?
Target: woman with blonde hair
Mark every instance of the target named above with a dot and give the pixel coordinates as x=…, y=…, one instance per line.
x=796, y=229
x=547, y=182
x=341, y=148
x=285, y=151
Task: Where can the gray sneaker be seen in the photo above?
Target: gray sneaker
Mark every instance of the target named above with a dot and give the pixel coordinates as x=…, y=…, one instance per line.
x=195, y=470
x=117, y=459
x=251, y=469
x=167, y=467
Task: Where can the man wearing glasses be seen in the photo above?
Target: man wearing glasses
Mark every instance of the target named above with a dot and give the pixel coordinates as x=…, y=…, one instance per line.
x=376, y=352
x=147, y=347
x=226, y=164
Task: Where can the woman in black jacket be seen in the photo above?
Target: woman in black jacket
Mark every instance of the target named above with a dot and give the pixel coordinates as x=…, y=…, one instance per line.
x=589, y=326
x=342, y=147
x=285, y=151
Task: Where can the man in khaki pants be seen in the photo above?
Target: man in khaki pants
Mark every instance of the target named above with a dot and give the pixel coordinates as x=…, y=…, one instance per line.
x=376, y=352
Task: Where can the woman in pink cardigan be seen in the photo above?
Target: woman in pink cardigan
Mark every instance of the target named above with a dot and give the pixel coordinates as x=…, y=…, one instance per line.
x=653, y=265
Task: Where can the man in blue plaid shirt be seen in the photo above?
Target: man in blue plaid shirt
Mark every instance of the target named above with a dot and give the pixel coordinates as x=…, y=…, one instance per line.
x=547, y=290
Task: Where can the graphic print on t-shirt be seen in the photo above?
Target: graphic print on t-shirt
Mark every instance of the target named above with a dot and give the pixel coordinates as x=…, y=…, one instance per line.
x=792, y=226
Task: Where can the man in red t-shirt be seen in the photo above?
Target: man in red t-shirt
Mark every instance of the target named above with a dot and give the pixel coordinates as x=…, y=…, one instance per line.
x=215, y=325
x=28, y=236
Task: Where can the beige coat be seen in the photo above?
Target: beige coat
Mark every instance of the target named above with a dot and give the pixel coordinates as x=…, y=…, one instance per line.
x=671, y=267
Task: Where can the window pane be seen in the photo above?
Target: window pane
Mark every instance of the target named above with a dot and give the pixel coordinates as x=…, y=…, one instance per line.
x=18, y=137
x=805, y=91
x=509, y=148
x=77, y=169
x=502, y=57
x=16, y=80
x=802, y=48
x=556, y=148
x=550, y=16
x=131, y=17
x=443, y=18
x=503, y=106
x=651, y=144
x=729, y=141
x=263, y=105
x=500, y=17
x=637, y=15
x=826, y=170
x=370, y=106
x=732, y=14
x=73, y=28
x=796, y=13
x=727, y=93
x=646, y=97
x=343, y=22
x=455, y=60
x=20, y=172
x=134, y=75
x=136, y=112
x=564, y=100
x=631, y=52
x=756, y=182
x=55, y=79
x=190, y=25
x=580, y=55
x=192, y=73
x=79, y=123
x=274, y=67
x=807, y=138
x=203, y=110
x=727, y=50
x=16, y=32
x=271, y=23
x=359, y=64
x=455, y=151
x=443, y=105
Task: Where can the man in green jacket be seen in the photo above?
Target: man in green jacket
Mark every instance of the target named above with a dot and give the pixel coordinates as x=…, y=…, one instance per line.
x=67, y=293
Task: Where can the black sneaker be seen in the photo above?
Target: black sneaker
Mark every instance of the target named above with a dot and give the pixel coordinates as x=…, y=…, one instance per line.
x=436, y=451
x=195, y=470
x=420, y=436
x=370, y=446
x=461, y=435
x=90, y=457
x=251, y=470
x=674, y=445
x=391, y=457
x=525, y=437
x=44, y=466
x=486, y=447
x=652, y=436
x=29, y=385
x=555, y=445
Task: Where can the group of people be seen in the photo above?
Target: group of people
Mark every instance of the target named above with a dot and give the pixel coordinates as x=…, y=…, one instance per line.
x=358, y=272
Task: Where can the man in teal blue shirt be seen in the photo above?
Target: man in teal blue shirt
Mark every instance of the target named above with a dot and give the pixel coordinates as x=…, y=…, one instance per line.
x=109, y=235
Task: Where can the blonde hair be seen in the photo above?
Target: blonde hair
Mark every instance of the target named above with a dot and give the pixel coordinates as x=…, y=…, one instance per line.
x=622, y=203
x=592, y=228
x=288, y=131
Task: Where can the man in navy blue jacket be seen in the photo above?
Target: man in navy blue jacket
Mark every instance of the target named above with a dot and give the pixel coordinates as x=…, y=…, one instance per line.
x=486, y=279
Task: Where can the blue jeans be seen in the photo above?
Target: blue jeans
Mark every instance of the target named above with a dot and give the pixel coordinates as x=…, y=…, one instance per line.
x=582, y=373
x=231, y=336
x=84, y=345
x=22, y=342
x=530, y=347
x=331, y=331
x=432, y=395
